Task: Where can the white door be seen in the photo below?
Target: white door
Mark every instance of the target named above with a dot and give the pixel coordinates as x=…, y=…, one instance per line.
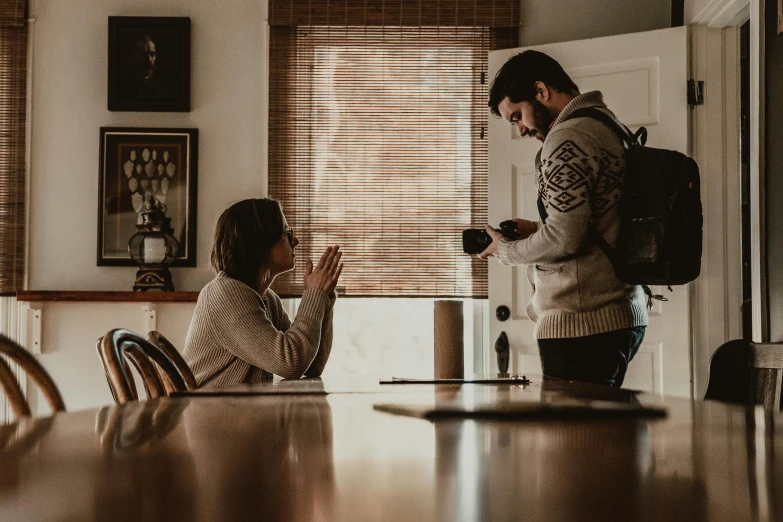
x=643, y=79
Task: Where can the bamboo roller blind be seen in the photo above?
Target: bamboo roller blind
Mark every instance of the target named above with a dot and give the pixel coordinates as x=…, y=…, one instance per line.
x=377, y=137
x=13, y=102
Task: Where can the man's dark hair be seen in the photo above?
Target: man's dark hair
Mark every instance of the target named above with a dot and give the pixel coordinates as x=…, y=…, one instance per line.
x=244, y=235
x=517, y=78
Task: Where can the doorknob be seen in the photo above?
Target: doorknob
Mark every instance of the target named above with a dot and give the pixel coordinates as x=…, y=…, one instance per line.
x=501, y=348
x=502, y=313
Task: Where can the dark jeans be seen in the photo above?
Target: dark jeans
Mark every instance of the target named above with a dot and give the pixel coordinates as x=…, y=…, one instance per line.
x=601, y=358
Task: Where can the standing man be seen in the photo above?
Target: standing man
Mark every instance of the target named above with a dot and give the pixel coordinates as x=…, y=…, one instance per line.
x=589, y=324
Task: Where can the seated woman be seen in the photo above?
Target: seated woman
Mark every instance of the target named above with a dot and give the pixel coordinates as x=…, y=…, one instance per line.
x=240, y=332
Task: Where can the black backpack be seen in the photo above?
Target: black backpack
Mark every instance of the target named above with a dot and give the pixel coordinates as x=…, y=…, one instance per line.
x=660, y=235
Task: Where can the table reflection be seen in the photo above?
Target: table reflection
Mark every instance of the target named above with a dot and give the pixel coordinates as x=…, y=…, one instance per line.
x=334, y=457
x=120, y=429
x=559, y=469
x=138, y=463
x=17, y=440
x=288, y=455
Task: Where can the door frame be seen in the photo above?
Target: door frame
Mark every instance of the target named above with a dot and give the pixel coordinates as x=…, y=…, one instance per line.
x=716, y=295
x=757, y=210
x=734, y=13
x=722, y=19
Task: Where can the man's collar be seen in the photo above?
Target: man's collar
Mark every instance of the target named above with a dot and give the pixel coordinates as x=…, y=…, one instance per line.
x=588, y=99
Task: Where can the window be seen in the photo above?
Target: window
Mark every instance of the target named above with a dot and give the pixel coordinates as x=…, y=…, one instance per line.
x=393, y=338
x=386, y=337
x=377, y=142
x=13, y=103
x=378, y=138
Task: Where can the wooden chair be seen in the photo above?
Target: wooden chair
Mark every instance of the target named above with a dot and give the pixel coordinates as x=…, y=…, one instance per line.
x=33, y=368
x=147, y=357
x=747, y=373
x=159, y=340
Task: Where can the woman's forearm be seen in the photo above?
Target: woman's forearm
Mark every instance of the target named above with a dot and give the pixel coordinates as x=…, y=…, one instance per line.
x=319, y=362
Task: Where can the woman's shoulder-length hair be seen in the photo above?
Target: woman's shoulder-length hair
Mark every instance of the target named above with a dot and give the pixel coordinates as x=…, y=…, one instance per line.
x=244, y=235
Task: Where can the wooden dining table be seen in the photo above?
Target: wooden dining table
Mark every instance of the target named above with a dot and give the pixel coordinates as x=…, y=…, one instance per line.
x=547, y=450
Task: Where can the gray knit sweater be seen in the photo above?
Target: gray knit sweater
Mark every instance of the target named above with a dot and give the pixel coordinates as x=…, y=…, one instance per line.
x=579, y=172
x=238, y=336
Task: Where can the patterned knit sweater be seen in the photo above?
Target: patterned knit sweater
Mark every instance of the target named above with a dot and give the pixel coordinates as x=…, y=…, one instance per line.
x=238, y=336
x=579, y=172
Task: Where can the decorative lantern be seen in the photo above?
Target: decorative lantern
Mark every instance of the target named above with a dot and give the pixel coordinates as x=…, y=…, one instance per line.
x=153, y=247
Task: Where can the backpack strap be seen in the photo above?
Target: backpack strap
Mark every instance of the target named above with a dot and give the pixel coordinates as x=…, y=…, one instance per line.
x=628, y=138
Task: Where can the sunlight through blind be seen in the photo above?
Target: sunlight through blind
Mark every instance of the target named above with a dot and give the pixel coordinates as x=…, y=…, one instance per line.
x=378, y=137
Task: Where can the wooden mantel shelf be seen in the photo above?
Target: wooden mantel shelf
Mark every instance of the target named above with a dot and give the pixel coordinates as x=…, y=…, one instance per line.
x=114, y=297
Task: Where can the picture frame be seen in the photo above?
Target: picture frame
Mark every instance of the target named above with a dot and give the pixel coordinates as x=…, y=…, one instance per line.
x=134, y=164
x=149, y=64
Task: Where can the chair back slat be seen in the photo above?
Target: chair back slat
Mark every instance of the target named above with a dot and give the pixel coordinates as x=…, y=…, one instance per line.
x=153, y=386
x=131, y=389
x=765, y=385
x=766, y=355
x=746, y=372
x=12, y=391
x=19, y=355
x=766, y=374
x=159, y=340
x=116, y=345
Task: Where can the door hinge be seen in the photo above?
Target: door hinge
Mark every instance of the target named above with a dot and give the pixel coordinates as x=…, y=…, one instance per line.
x=695, y=93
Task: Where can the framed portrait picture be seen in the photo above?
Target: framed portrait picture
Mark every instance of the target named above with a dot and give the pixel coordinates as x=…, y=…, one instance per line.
x=137, y=164
x=149, y=64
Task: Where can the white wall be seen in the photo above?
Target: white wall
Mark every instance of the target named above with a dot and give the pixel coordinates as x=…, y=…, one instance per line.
x=228, y=85
x=69, y=334
x=69, y=64
x=550, y=21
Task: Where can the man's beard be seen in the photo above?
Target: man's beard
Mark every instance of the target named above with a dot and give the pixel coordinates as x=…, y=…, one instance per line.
x=542, y=119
